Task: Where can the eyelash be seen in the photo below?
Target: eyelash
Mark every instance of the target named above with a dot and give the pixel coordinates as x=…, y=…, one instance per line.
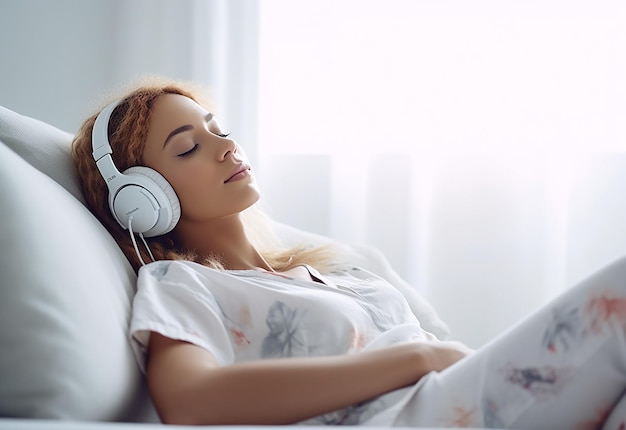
x=196, y=146
x=191, y=151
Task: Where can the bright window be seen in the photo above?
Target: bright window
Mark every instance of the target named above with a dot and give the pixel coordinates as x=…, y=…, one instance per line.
x=441, y=75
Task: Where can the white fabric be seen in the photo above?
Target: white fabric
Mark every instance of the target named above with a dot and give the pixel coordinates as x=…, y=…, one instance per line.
x=247, y=315
x=616, y=420
x=44, y=146
x=561, y=368
x=64, y=305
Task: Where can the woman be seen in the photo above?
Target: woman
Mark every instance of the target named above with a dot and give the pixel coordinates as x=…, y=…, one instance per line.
x=231, y=333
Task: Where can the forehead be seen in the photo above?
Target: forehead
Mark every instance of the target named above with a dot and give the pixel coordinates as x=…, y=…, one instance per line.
x=175, y=107
x=171, y=111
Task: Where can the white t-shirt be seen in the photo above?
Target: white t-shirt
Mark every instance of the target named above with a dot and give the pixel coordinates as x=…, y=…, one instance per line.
x=241, y=315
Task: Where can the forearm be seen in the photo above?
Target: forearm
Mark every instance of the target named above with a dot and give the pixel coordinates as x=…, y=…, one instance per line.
x=284, y=391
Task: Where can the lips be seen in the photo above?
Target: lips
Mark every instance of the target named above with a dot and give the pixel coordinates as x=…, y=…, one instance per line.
x=241, y=171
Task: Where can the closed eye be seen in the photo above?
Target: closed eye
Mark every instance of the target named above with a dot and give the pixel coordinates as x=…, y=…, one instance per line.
x=222, y=135
x=191, y=151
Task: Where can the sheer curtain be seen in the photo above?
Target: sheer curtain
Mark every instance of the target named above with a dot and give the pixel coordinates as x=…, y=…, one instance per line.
x=479, y=145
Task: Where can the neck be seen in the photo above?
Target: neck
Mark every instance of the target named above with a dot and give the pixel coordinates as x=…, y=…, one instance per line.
x=225, y=238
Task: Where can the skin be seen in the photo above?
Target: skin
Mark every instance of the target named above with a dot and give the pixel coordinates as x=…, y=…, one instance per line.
x=210, y=207
x=187, y=384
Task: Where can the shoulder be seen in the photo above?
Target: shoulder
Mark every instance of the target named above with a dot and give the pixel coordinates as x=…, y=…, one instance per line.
x=180, y=276
x=357, y=274
x=163, y=269
x=176, y=280
x=178, y=272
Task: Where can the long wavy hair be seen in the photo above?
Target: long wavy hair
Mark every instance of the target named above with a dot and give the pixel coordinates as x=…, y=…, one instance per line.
x=128, y=129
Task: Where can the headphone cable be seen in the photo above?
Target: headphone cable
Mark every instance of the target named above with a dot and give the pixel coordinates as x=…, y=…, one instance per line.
x=146, y=245
x=132, y=238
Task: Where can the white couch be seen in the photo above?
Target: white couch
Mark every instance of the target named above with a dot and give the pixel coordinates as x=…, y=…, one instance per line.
x=66, y=294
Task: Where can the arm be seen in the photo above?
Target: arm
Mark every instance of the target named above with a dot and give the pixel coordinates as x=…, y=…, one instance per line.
x=188, y=386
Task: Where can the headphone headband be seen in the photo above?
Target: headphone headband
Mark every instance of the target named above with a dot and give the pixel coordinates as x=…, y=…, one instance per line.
x=100, y=135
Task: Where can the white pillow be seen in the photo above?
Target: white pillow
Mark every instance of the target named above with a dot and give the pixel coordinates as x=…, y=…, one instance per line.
x=44, y=146
x=64, y=306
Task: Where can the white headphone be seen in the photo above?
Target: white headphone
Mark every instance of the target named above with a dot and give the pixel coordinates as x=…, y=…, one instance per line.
x=140, y=198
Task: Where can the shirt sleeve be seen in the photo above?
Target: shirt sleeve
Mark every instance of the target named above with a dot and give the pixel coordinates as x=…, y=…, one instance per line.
x=173, y=300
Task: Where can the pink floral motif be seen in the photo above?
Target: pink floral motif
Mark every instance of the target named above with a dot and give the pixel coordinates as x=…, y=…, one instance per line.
x=358, y=340
x=604, y=309
x=602, y=415
x=240, y=337
x=463, y=417
x=245, y=318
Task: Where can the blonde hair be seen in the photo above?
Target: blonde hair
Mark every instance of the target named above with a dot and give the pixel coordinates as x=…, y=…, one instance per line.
x=128, y=128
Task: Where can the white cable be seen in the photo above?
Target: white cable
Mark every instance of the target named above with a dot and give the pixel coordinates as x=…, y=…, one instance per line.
x=146, y=245
x=132, y=237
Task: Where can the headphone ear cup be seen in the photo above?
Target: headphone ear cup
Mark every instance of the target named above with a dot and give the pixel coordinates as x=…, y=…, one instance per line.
x=157, y=186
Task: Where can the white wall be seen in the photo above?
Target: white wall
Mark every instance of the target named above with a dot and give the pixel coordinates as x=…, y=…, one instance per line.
x=61, y=58
x=55, y=57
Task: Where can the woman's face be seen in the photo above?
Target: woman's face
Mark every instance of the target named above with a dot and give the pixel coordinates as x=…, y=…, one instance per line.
x=206, y=168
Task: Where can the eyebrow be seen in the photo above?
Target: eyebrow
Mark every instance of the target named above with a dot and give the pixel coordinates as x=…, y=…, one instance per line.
x=207, y=118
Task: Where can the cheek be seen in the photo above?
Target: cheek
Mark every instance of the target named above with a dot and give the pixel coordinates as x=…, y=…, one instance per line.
x=201, y=196
x=191, y=179
x=192, y=190
x=196, y=205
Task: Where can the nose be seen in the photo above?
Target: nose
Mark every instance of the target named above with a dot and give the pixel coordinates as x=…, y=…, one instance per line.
x=228, y=148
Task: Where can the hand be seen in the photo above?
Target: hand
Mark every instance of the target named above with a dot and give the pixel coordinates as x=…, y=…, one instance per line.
x=442, y=354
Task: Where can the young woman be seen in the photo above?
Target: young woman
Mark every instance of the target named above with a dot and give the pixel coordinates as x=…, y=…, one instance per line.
x=231, y=331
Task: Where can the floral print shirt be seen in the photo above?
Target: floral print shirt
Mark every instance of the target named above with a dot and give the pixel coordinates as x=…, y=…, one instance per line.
x=241, y=315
